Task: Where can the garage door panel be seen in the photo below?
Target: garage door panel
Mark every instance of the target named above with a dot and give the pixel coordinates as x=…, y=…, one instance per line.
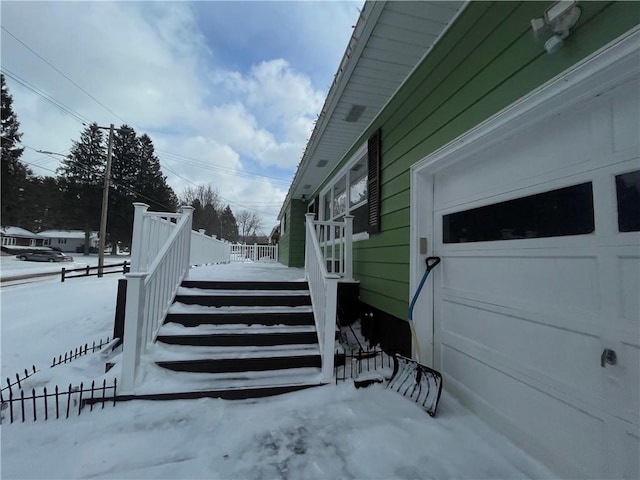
x=558, y=425
x=629, y=268
x=558, y=145
x=527, y=282
x=630, y=361
x=626, y=121
x=565, y=358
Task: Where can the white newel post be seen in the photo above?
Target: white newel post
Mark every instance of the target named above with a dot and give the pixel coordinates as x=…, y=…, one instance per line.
x=309, y=217
x=329, y=340
x=136, y=238
x=348, y=248
x=133, y=341
x=187, y=210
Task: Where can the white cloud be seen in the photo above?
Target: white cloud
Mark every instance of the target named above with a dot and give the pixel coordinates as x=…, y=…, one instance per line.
x=150, y=64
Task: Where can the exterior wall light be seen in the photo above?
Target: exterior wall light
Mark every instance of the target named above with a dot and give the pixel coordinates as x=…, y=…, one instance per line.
x=557, y=21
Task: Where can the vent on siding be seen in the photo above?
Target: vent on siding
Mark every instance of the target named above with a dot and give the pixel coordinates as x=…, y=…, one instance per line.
x=322, y=163
x=373, y=182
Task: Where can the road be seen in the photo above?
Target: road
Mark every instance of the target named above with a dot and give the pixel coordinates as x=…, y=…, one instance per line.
x=15, y=272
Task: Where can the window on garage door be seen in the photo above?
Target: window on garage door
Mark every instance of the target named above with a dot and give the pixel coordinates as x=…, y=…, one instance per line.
x=628, y=193
x=556, y=213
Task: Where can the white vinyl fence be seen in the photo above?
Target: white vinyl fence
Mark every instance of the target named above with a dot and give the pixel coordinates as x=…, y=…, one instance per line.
x=206, y=250
x=254, y=253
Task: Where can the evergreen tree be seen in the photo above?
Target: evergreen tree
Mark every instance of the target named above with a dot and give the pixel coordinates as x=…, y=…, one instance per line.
x=212, y=222
x=125, y=166
x=229, y=226
x=151, y=182
x=197, y=218
x=48, y=209
x=81, y=178
x=14, y=173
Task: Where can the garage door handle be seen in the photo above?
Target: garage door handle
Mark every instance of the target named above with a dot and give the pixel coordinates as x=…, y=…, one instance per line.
x=608, y=357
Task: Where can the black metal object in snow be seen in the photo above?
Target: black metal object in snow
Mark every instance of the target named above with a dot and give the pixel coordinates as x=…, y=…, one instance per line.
x=74, y=397
x=351, y=365
x=418, y=382
x=106, y=269
x=19, y=379
x=78, y=352
x=121, y=300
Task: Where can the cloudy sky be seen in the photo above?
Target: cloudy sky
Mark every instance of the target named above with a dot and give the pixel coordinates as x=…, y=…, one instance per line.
x=228, y=91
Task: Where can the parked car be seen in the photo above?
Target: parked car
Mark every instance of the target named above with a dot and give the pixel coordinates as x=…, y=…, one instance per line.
x=45, y=257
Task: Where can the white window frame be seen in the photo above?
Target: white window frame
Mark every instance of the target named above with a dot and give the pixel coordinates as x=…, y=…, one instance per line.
x=345, y=172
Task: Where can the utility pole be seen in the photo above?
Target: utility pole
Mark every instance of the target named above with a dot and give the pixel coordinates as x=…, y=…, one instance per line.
x=105, y=204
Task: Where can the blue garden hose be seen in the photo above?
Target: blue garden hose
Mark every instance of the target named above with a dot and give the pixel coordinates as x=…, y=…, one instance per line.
x=431, y=263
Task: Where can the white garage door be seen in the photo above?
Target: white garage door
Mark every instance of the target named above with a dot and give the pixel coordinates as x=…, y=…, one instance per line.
x=540, y=280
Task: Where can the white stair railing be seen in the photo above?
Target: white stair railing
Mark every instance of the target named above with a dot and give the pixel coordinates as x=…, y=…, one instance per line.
x=205, y=249
x=335, y=239
x=323, y=287
x=161, y=254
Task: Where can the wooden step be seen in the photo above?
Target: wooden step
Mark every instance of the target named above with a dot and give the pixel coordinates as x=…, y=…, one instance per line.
x=244, y=300
x=231, y=285
x=255, y=364
x=257, y=318
x=241, y=339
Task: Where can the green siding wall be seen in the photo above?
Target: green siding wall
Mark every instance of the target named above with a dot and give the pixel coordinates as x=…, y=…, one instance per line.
x=487, y=60
x=291, y=244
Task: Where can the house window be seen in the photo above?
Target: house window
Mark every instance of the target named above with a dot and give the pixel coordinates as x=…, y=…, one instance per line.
x=628, y=195
x=557, y=213
x=283, y=226
x=348, y=194
x=62, y=240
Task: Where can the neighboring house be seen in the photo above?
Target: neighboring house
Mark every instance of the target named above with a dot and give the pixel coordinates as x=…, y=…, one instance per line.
x=69, y=240
x=19, y=237
x=274, y=236
x=450, y=130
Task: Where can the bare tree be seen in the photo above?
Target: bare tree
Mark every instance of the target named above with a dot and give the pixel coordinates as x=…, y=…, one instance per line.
x=249, y=224
x=205, y=194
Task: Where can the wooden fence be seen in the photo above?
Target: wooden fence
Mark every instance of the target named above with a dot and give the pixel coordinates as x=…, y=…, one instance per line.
x=106, y=269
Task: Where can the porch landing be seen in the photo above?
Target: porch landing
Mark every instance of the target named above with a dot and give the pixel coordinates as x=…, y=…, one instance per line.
x=247, y=272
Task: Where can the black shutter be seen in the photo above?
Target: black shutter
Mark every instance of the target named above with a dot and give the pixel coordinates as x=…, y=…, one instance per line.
x=373, y=181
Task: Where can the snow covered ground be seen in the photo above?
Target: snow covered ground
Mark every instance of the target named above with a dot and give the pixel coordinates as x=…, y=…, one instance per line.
x=327, y=432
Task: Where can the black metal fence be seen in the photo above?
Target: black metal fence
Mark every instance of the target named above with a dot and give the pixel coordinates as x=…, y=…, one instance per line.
x=106, y=269
x=357, y=362
x=45, y=405
x=20, y=379
x=78, y=352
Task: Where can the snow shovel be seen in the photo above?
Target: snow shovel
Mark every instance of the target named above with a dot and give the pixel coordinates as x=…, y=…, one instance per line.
x=410, y=378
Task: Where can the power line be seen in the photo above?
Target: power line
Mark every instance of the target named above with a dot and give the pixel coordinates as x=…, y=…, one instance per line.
x=218, y=168
x=113, y=182
x=45, y=96
x=80, y=118
x=222, y=198
x=61, y=73
x=184, y=159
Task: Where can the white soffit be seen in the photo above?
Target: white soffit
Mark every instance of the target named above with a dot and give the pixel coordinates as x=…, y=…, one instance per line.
x=389, y=41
